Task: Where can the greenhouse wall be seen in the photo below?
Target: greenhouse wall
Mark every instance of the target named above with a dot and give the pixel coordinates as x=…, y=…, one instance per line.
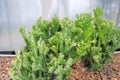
x=16, y=13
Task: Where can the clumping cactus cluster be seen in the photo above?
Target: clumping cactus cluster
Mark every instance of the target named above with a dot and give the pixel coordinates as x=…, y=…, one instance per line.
x=52, y=47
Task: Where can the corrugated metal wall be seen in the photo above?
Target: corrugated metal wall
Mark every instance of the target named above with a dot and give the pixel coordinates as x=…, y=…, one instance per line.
x=16, y=13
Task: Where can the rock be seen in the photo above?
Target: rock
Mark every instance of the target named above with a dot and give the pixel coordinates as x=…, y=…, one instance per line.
x=109, y=71
x=102, y=76
x=83, y=70
x=96, y=72
x=119, y=73
x=114, y=79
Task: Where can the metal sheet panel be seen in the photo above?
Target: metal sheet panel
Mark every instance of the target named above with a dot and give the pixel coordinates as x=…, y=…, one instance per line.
x=16, y=13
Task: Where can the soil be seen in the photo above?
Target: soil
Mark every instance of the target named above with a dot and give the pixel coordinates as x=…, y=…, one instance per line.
x=79, y=72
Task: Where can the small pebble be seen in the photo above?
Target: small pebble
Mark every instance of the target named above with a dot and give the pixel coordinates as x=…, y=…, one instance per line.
x=114, y=79
x=83, y=70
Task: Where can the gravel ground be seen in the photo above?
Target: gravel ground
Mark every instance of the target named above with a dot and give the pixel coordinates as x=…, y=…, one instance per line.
x=4, y=67
x=110, y=72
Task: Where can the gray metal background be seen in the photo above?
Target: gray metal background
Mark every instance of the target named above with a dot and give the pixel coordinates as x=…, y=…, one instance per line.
x=16, y=13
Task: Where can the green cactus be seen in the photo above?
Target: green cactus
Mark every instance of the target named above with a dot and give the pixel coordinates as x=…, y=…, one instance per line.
x=53, y=46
